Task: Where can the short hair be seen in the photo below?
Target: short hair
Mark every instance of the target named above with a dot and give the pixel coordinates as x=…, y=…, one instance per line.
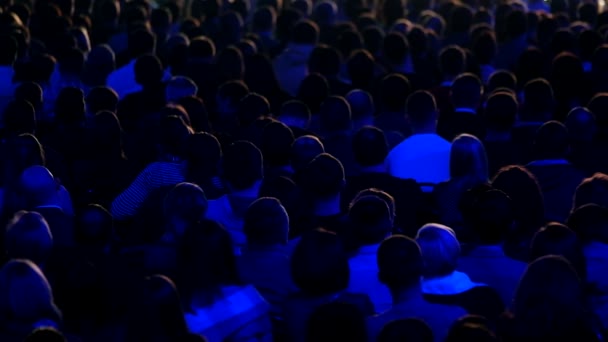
x=500, y=111
x=45, y=334
x=201, y=47
x=276, y=143
x=179, y=87
x=406, y=329
x=94, y=225
x=38, y=184
x=360, y=66
x=385, y=196
x=266, y=222
x=148, y=70
x=186, y=202
x=471, y=328
x=466, y=91
x=551, y=140
x=323, y=176
x=325, y=60
x=70, y=106
x=581, y=124
x=264, y=19
x=28, y=236
x=440, y=249
x=100, y=99
x=335, y=115
x=141, y=42
x=252, y=107
x=421, y=108
x=10, y=48
x=400, y=263
x=395, y=47
x=295, y=110
x=242, y=165
x=370, y=146
x=336, y=321
x=305, y=32
x=304, y=149
x=538, y=100
x=485, y=47
x=313, y=91
x=371, y=219
x=394, y=89
x=523, y=189
x=319, y=264
x=452, y=60
x=557, y=239
x=491, y=216
x=19, y=117
x=30, y=92
x=468, y=159
x=233, y=91
x=502, y=79
x=361, y=104
x=590, y=222
x=594, y=190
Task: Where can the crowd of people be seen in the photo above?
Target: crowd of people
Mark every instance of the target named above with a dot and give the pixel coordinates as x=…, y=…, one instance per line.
x=260, y=170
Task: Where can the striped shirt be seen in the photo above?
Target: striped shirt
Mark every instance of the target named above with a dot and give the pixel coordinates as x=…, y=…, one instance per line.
x=153, y=177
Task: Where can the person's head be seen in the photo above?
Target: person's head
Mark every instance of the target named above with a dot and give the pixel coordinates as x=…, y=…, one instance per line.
x=266, y=223
x=581, y=125
x=468, y=159
x=173, y=131
x=335, y=115
x=594, y=190
x=313, y=91
x=252, y=107
x=94, y=226
x=400, y=263
x=295, y=113
x=204, y=153
x=406, y=329
x=9, y=44
x=19, y=117
x=319, y=264
x=485, y=47
x=490, y=216
x=25, y=294
x=452, y=61
x=370, y=147
x=523, y=189
x=551, y=141
x=323, y=177
x=45, y=334
x=264, y=19
x=598, y=105
x=100, y=62
x=305, y=32
x=557, y=239
x=179, y=87
x=39, y=186
x=229, y=95
x=141, y=42
x=28, y=236
x=201, y=48
x=516, y=24
x=185, y=204
x=303, y=150
x=373, y=37
x=395, y=48
x=361, y=68
x=148, y=70
x=421, y=111
x=325, y=60
x=466, y=91
x=101, y=98
x=471, y=328
x=502, y=79
x=548, y=302
x=590, y=223
x=207, y=261
x=197, y=112
x=242, y=165
x=276, y=143
x=70, y=106
x=362, y=106
x=500, y=111
x=156, y=311
x=30, y=92
x=325, y=13
x=538, y=101
x=588, y=12
x=336, y=321
x=440, y=249
x=371, y=219
x=394, y=90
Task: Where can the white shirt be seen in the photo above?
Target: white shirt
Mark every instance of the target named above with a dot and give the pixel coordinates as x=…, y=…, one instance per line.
x=422, y=157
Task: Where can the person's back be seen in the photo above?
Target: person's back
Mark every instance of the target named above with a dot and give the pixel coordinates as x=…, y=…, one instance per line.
x=424, y=156
x=400, y=268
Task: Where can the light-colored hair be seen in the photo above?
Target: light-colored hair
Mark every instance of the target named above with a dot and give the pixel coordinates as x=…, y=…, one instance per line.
x=468, y=160
x=440, y=249
x=25, y=294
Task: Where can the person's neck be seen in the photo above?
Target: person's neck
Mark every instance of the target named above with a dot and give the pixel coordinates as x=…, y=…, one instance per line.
x=406, y=295
x=380, y=168
x=327, y=206
x=498, y=136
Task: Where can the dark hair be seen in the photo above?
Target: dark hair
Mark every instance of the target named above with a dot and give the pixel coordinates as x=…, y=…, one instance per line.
x=319, y=264
x=466, y=91
x=538, y=100
x=19, y=117
x=185, y=202
x=305, y=32
x=557, y=239
x=590, y=223
x=323, y=176
x=452, y=60
x=242, y=165
x=394, y=90
x=252, y=107
x=30, y=92
x=502, y=79
x=485, y=47
x=551, y=141
x=471, y=328
x=204, y=153
x=94, y=226
x=264, y=19
x=207, y=261
x=395, y=47
x=101, y=98
x=230, y=64
x=157, y=312
x=325, y=60
x=201, y=47
x=406, y=329
x=370, y=218
x=303, y=150
x=335, y=115
x=491, y=216
x=336, y=321
x=593, y=189
x=197, y=112
x=313, y=91
x=141, y=42
x=9, y=50
x=400, y=263
x=277, y=139
x=421, y=108
x=266, y=222
x=360, y=66
x=70, y=106
x=500, y=111
x=523, y=189
x=370, y=146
